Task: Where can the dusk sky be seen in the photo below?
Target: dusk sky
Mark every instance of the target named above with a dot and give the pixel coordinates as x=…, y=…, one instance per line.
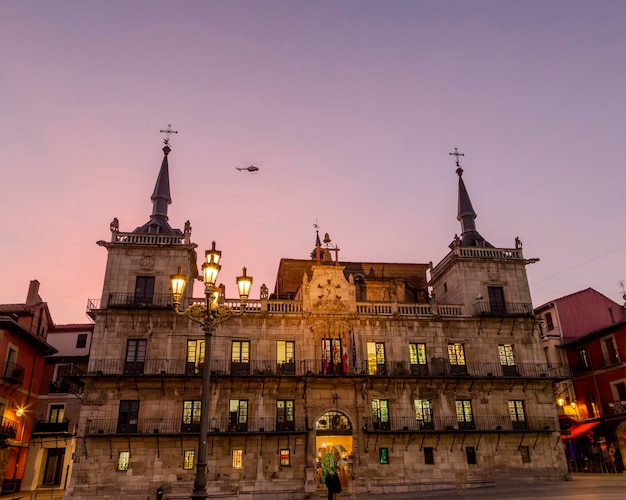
x=350, y=109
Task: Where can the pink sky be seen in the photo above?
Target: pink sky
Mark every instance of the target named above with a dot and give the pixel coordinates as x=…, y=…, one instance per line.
x=350, y=108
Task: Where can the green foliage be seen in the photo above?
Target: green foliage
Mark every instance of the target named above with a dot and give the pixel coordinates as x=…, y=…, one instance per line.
x=328, y=463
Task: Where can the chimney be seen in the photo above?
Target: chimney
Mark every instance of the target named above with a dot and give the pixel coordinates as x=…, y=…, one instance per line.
x=33, y=293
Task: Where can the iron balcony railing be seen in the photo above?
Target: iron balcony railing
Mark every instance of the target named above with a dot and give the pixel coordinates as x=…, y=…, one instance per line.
x=60, y=428
x=8, y=428
x=177, y=426
x=503, y=309
x=132, y=300
x=436, y=369
x=489, y=423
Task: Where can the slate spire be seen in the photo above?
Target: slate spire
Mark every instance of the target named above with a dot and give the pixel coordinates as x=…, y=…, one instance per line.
x=466, y=215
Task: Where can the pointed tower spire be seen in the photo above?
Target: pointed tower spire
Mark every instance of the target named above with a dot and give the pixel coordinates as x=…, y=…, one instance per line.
x=466, y=215
x=161, y=195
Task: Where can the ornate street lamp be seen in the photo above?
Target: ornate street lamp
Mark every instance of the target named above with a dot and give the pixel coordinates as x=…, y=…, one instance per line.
x=209, y=315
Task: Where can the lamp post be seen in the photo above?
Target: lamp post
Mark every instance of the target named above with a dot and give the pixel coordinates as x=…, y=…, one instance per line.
x=210, y=314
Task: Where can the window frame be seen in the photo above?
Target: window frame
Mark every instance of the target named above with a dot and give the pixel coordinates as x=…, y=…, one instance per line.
x=464, y=414
x=237, y=462
x=381, y=419
x=123, y=460
x=189, y=457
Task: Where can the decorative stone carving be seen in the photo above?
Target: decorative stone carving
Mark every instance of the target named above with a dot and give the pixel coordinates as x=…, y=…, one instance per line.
x=147, y=262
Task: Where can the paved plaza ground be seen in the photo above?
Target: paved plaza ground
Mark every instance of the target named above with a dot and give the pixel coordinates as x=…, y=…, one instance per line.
x=581, y=487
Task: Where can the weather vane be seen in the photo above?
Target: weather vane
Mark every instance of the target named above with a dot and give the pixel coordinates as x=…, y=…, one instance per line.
x=168, y=131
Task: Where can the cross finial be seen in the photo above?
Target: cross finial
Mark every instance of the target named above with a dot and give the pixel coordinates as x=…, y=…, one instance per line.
x=168, y=131
x=457, y=154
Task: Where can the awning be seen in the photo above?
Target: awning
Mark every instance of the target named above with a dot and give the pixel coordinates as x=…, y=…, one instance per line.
x=578, y=429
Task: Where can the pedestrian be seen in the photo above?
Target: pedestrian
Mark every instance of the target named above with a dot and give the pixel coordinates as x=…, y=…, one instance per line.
x=333, y=484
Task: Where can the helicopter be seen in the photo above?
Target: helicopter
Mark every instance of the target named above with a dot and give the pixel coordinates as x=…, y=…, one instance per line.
x=251, y=168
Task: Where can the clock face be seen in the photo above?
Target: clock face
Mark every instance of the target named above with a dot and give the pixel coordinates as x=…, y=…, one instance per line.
x=329, y=290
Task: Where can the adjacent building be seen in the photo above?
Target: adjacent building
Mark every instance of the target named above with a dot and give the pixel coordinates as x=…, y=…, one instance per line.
x=23, y=347
x=402, y=376
x=53, y=441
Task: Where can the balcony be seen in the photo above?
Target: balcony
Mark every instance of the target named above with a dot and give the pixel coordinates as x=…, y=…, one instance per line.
x=176, y=426
x=437, y=368
x=134, y=301
x=8, y=429
x=491, y=423
x=13, y=373
x=503, y=309
x=54, y=428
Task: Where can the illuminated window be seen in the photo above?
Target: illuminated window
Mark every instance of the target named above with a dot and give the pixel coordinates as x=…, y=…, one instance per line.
x=507, y=360
x=285, y=356
x=195, y=357
x=237, y=459
x=238, y=416
x=423, y=413
x=417, y=359
x=122, y=460
x=517, y=414
x=284, y=457
x=191, y=416
x=464, y=415
x=57, y=413
x=376, y=358
x=333, y=356
x=380, y=414
x=456, y=358
x=240, y=357
x=188, y=459
x=384, y=456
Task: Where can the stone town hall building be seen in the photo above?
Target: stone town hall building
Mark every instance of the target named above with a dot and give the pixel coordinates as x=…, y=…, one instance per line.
x=406, y=377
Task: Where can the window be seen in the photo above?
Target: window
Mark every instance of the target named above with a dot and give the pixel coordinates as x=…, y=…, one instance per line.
x=429, y=456
x=424, y=413
x=496, y=300
x=524, y=451
x=620, y=389
x=517, y=414
x=135, y=356
x=376, y=358
x=191, y=416
x=144, y=290
x=334, y=359
x=81, y=340
x=456, y=358
x=128, y=416
x=240, y=359
x=57, y=412
x=188, y=458
x=238, y=416
x=383, y=456
x=285, y=418
x=13, y=371
x=285, y=456
x=380, y=414
x=583, y=359
x=470, y=454
x=611, y=355
x=237, y=459
x=195, y=357
x=285, y=357
x=123, y=460
x=592, y=408
x=464, y=414
x=417, y=359
x=507, y=360
x=549, y=322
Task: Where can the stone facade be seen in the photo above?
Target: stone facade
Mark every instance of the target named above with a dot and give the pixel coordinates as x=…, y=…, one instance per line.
x=401, y=384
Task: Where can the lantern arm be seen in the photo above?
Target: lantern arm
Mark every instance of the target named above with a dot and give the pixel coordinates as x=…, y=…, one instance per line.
x=195, y=312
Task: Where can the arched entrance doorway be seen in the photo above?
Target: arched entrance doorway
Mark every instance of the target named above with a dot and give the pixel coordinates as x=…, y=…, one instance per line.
x=333, y=445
